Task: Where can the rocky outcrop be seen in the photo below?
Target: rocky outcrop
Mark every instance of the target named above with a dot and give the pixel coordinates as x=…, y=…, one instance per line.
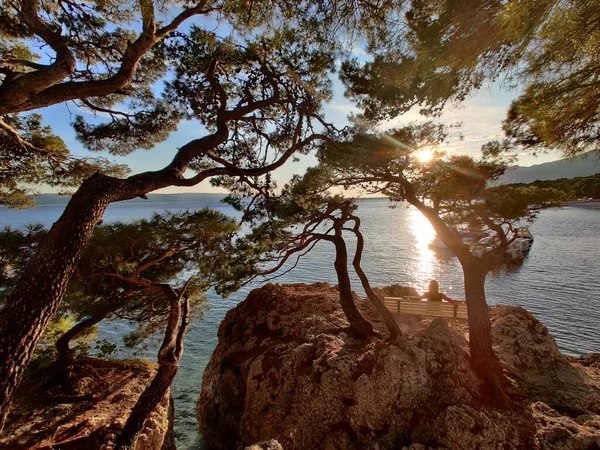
x=287, y=369
x=531, y=355
x=91, y=419
x=396, y=290
x=268, y=445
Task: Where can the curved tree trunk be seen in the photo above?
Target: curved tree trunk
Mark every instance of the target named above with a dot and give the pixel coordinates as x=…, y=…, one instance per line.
x=64, y=358
x=483, y=359
x=360, y=326
x=168, y=359
x=34, y=301
x=388, y=317
x=36, y=297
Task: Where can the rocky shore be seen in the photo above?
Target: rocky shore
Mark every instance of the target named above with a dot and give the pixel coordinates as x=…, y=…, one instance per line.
x=286, y=369
x=44, y=417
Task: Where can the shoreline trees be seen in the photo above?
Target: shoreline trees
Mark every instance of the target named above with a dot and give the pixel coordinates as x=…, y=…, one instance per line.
x=257, y=92
x=450, y=192
x=288, y=225
x=137, y=272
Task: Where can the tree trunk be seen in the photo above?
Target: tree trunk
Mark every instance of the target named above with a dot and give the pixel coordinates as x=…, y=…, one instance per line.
x=483, y=359
x=34, y=301
x=390, y=322
x=168, y=359
x=360, y=326
x=64, y=358
x=145, y=405
x=38, y=294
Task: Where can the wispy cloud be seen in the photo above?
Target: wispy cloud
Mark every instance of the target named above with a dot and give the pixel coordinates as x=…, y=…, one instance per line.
x=358, y=51
x=346, y=108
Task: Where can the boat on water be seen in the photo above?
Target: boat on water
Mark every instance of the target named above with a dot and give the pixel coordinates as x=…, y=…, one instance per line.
x=518, y=247
x=524, y=233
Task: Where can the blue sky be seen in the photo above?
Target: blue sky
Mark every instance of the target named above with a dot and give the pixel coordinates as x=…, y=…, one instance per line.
x=481, y=117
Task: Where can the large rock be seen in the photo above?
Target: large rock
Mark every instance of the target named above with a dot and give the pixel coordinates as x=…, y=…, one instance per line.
x=107, y=391
x=286, y=368
x=530, y=354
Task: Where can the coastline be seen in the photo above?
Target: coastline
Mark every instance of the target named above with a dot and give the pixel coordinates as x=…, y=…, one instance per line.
x=594, y=204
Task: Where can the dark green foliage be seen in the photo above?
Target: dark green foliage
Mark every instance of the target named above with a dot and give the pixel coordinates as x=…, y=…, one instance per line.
x=126, y=266
x=571, y=188
x=128, y=132
x=32, y=155
x=560, y=108
x=136, y=64
x=105, y=348
x=449, y=48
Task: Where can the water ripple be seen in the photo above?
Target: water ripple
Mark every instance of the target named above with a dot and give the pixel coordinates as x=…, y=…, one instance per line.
x=558, y=281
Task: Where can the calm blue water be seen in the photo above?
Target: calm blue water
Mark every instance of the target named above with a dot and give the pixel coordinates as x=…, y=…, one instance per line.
x=558, y=281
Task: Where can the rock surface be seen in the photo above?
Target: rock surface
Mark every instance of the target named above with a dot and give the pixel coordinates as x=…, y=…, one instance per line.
x=268, y=445
x=107, y=390
x=286, y=368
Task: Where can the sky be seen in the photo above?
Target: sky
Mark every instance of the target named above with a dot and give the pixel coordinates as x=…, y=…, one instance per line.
x=481, y=117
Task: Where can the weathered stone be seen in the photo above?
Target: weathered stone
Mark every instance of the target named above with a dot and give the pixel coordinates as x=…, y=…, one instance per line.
x=286, y=368
x=530, y=353
x=107, y=391
x=267, y=445
x=556, y=431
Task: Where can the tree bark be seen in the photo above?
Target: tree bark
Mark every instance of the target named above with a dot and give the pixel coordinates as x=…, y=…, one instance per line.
x=360, y=326
x=483, y=359
x=168, y=359
x=390, y=322
x=64, y=358
x=35, y=299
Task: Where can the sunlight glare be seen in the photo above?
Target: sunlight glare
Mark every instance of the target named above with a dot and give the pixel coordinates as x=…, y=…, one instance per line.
x=424, y=155
x=424, y=234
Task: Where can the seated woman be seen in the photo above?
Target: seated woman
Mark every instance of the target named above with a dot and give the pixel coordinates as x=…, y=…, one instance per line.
x=434, y=294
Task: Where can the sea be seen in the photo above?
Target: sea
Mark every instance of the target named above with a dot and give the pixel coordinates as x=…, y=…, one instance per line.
x=558, y=281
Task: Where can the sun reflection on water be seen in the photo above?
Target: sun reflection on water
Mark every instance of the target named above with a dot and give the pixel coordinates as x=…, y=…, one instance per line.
x=425, y=262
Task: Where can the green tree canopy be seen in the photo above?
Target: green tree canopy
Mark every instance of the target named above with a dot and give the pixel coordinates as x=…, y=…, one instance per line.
x=457, y=189
x=126, y=268
x=114, y=58
x=449, y=49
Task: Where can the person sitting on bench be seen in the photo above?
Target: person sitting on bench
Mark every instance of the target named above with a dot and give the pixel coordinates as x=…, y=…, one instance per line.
x=434, y=294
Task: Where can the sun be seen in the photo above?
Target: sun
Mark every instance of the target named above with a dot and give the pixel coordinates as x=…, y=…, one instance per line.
x=424, y=155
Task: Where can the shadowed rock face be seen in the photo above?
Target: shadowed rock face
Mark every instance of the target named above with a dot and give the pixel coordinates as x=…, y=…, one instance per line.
x=530, y=354
x=285, y=368
x=91, y=420
x=268, y=445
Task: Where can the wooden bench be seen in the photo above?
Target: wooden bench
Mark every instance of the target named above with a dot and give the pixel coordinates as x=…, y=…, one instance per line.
x=416, y=306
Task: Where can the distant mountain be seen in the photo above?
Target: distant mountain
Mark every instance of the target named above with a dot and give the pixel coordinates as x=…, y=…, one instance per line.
x=57, y=199
x=584, y=166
